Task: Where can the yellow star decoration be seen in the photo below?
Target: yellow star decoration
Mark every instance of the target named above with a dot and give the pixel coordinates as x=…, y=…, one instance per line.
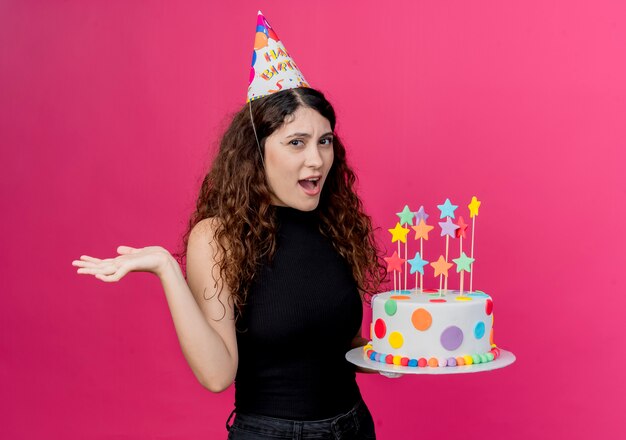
x=398, y=233
x=441, y=266
x=473, y=206
x=422, y=230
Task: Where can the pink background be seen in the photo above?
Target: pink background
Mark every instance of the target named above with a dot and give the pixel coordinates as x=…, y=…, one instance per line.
x=109, y=115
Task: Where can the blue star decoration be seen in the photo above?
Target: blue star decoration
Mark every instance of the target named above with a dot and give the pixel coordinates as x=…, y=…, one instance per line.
x=463, y=263
x=448, y=228
x=447, y=209
x=417, y=264
x=421, y=215
x=406, y=216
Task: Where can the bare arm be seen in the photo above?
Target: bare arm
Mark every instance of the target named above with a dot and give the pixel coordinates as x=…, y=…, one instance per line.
x=208, y=343
x=204, y=319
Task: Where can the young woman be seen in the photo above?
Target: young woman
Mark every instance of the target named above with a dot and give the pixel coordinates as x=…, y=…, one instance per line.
x=279, y=258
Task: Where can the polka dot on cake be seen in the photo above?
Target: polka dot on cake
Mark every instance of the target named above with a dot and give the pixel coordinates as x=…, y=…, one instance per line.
x=400, y=297
x=438, y=300
x=478, y=294
x=463, y=298
x=380, y=329
x=479, y=330
x=452, y=338
x=391, y=307
x=422, y=362
x=421, y=319
x=396, y=340
x=488, y=307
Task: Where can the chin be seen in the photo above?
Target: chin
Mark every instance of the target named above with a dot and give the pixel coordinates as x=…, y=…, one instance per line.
x=309, y=205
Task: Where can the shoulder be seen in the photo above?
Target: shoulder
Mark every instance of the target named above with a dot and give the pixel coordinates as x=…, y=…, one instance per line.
x=203, y=235
x=203, y=272
x=205, y=228
x=203, y=254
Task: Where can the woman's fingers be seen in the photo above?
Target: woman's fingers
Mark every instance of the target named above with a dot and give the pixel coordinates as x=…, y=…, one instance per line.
x=116, y=276
x=126, y=250
x=130, y=259
x=82, y=264
x=102, y=268
x=88, y=258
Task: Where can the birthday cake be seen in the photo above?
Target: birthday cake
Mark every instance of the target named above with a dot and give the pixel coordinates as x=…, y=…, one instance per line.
x=431, y=327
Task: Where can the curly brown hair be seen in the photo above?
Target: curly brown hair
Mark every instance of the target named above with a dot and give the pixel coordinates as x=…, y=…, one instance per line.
x=235, y=192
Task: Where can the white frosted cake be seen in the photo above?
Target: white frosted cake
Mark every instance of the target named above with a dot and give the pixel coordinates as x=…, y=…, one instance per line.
x=428, y=329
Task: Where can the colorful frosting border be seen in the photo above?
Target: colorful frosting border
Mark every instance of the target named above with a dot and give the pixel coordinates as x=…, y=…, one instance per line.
x=468, y=359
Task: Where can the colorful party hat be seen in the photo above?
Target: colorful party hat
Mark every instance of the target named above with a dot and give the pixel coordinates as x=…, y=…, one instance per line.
x=272, y=68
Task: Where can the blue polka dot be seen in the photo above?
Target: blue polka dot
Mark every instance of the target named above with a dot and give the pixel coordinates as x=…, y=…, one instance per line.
x=479, y=330
x=412, y=362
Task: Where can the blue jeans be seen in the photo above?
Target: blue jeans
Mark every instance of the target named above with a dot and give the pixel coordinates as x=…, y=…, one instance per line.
x=356, y=424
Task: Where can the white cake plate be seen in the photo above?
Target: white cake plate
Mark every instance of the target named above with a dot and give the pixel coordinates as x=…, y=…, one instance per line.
x=357, y=357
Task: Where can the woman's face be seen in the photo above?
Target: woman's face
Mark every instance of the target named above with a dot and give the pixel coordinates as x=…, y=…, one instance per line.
x=298, y=156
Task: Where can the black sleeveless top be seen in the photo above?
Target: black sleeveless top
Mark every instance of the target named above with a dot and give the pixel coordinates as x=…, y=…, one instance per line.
x=301, y=315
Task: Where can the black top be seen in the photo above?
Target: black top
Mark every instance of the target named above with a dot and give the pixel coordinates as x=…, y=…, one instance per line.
x=301, y=315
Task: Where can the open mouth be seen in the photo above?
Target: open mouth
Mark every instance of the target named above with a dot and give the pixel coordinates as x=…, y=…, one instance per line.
x=311, y=186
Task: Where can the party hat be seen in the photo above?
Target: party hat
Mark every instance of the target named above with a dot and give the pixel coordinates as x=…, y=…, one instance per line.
x=272, y=68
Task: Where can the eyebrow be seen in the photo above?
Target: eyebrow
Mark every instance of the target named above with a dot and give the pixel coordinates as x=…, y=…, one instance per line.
x=307, y=135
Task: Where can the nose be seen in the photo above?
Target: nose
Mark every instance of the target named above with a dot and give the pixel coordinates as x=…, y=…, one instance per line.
x=313, y=158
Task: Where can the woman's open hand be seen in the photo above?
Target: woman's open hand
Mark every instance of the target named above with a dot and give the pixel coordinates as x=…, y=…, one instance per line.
x=148, y=259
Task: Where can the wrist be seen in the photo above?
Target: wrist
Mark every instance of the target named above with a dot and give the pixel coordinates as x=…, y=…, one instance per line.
x=167, y=266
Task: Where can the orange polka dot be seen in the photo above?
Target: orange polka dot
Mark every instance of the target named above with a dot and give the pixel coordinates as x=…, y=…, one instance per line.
x=400, y=297
x=260, y=40
x=433, y=362
x=421, y=319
